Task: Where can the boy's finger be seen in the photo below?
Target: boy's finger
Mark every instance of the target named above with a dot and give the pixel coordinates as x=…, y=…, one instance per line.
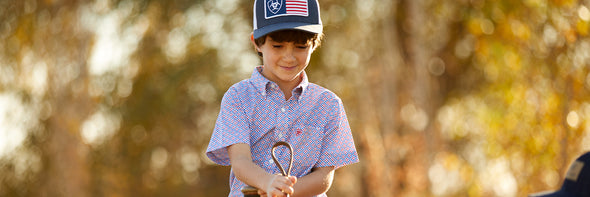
x=293, y=179
x=288, y=190
x=276, y=192
x=284, y=188
x=290, y=181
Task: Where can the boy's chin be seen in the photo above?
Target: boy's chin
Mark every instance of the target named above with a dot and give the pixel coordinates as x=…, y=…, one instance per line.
x=289, y=78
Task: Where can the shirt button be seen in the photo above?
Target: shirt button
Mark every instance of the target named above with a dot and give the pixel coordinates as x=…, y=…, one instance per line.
x=270, y=161
x=273, y=86
x=280, y=135
x=263, y=93
x=283, y=109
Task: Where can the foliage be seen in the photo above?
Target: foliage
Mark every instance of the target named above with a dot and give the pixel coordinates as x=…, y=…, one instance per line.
x=445, y=98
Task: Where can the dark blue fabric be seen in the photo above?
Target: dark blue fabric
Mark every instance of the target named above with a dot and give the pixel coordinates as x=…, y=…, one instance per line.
x=267, y=20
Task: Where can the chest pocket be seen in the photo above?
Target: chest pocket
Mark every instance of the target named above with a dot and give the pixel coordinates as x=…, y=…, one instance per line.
x=307, y=147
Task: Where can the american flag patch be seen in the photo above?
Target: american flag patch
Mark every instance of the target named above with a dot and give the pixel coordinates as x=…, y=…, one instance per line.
x=275, y=8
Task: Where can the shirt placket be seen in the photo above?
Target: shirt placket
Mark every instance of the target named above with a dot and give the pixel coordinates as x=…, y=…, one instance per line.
x=283, y=118
x=282, y=122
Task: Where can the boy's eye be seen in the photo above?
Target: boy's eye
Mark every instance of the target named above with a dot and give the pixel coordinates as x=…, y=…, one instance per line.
x=302, y=47
x=277, y=46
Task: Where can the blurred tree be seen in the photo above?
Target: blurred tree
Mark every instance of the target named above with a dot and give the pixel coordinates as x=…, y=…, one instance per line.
x=445, y=98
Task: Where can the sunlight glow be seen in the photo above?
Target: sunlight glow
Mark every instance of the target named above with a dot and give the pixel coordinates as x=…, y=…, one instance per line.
x=550, y=35
x=584, y=13
x=190, y=161
x=228, y=36
x=159, y=158
x=15, y=121
x=99, y=127
x=35, y=71
x=7, y=72
x=114, y=44
x=573, y=120
x=175, y=48
x=499, y=179
x=415, y=116
x=445, y=174
x=202, y=91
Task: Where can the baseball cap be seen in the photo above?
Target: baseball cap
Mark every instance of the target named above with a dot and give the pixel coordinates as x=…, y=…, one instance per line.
x=275, y=15
x=577, y=180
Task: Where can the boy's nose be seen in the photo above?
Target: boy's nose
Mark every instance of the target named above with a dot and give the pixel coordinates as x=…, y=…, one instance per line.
x=289, y=55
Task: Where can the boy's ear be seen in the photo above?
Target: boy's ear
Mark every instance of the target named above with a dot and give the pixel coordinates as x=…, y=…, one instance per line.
x=254, y=42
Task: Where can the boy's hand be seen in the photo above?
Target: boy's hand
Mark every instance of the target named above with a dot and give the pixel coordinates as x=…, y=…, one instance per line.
x=278, y=186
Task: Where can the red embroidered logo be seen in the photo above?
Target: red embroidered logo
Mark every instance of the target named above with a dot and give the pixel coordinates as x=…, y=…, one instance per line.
x=299, y=132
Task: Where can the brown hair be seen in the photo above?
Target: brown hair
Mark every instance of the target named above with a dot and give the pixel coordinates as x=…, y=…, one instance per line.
x=297, y=36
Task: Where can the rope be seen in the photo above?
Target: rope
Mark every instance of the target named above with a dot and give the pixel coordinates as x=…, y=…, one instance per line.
x=250, y=191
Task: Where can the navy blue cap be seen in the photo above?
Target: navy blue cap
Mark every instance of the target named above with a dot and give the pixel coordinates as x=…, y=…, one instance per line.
x=577, y=180
x=275, y=15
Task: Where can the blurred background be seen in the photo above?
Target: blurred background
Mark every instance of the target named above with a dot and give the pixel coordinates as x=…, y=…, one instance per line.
x=444, y=97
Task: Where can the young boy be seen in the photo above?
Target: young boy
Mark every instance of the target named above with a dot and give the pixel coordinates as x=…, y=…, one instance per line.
x=278, y=103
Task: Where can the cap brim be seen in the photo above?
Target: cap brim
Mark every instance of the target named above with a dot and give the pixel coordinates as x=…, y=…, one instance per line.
x=559, y=193
x=311, y=28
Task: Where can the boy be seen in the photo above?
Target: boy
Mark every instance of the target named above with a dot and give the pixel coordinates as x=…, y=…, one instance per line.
x=279, y=104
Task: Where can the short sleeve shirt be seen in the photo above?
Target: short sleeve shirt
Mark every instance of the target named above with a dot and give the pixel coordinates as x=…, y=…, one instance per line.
x=255, y=112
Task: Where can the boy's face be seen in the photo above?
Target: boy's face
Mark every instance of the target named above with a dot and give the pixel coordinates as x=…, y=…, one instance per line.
x=284, y=61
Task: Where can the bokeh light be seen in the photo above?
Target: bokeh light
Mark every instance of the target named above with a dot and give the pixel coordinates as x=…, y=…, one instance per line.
x=444, y=98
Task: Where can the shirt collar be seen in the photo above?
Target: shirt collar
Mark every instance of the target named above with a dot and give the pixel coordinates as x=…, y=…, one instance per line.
x=258, y=81
x=302, y=87
x=261, y=83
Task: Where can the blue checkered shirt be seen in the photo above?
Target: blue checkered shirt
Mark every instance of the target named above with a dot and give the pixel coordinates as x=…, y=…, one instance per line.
x=255, y=112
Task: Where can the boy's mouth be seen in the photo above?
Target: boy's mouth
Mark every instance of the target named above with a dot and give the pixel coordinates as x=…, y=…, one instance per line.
x=289, y=68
